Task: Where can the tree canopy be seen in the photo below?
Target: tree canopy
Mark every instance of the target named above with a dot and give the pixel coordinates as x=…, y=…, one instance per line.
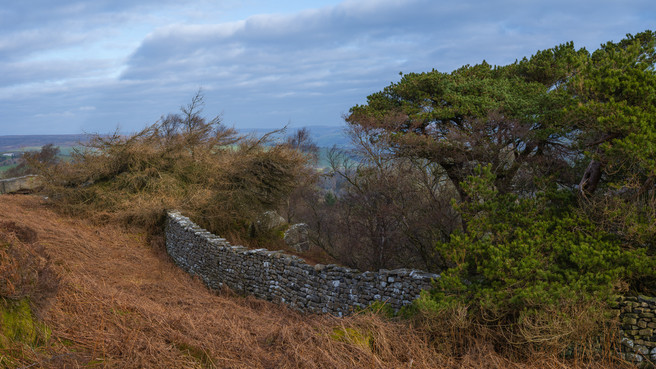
x=567, y=117
x=553, y=159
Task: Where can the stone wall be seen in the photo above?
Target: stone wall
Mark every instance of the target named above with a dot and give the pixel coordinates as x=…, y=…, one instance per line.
x=638, y=322
x=275, y=276
x=25, y=183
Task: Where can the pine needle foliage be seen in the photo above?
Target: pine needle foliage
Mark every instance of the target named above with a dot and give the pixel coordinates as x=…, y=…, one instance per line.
x=535, y=274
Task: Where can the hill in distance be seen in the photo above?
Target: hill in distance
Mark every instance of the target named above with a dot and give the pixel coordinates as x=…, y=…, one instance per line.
x=324, y=136
x=20, y=142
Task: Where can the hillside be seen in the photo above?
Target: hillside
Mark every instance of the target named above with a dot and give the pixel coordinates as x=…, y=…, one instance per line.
x=121, y=303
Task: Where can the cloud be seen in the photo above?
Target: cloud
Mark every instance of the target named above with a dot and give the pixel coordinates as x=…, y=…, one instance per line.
x=283, y=55
x=134, y=60
x=354, y=48
x=30, y=27
x=371, y=35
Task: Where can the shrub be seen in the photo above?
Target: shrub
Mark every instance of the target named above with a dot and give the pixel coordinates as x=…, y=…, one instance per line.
x=523, y=262
x=183, y=162
x=31, y=162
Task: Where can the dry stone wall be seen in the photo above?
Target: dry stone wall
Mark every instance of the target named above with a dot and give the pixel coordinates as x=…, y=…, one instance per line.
x=276, y=276
x=638, y=319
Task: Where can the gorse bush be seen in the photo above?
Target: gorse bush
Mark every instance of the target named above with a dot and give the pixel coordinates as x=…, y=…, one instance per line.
x=185, y=162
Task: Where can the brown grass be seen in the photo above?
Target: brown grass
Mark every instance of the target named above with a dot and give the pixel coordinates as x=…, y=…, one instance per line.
x=121, y=303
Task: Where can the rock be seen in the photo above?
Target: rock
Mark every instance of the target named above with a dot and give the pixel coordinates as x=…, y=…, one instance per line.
x=267, y=221
x=635, y=358
x=297, y=237
x=642, y=350
x=629, y=320
x=644, y=298
x=25, y=183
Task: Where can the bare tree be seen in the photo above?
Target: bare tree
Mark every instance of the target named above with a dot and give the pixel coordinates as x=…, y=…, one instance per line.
x=302, y=140
x=32, y=161
x=390, y=212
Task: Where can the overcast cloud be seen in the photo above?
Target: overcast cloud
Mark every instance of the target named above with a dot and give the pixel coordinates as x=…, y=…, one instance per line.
x=75, y=66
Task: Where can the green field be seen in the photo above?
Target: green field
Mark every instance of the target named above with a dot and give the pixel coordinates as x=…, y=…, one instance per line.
x=6, y=167
x=65, y=154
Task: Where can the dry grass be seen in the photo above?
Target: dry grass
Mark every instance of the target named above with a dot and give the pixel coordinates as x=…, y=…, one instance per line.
x=121, y=303
x=218, y=178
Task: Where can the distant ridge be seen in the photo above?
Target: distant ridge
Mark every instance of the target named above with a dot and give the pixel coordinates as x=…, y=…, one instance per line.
x=16, y=142
x=324, y=136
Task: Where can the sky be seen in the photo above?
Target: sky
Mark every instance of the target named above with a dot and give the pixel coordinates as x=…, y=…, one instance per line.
x=83, y=66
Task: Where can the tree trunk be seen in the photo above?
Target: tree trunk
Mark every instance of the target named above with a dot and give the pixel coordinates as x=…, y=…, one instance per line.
x=591, y=178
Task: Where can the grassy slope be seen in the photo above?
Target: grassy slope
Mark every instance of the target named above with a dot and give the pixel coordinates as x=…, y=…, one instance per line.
x=122, y=303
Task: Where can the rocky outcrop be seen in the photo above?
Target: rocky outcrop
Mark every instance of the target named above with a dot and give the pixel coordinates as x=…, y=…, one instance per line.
x=298, y=237
x=268, y=221
x=20, y=184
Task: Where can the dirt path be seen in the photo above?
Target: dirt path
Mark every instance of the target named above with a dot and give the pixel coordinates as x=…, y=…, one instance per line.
x=122, y=303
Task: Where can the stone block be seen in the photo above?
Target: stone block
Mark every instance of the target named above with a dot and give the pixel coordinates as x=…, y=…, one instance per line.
x=642, y=350
x=298, y=237
x=644, y=298
x=634, y=358
x=24, y=183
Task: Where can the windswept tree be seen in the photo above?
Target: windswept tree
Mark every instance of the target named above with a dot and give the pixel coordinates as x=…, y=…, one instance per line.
x=563, y=116
x=296, y=207
x=614, y=108
x=505, y=116
x=553, y=162
x=301, y=140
